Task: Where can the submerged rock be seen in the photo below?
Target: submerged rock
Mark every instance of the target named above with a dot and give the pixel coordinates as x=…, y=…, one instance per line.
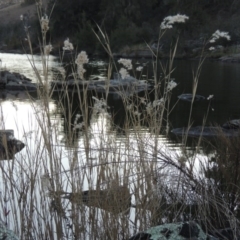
x=231, y=58
x=18, y=94
x=232, y=124
x=228, y=129
x=122, y=87
x=116, y=199
x=15, y=82
x=205, y=132
x=9, y=145
x=188, y=97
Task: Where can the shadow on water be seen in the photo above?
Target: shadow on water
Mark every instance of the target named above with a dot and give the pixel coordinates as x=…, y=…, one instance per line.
x=18, y=95
x=78, y=108
x=219, y=79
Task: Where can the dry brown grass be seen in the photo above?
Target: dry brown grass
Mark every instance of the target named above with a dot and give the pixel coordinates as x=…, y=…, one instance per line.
x=97, y=184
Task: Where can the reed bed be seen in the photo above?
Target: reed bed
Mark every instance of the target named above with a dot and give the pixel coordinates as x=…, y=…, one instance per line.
x=102, y=181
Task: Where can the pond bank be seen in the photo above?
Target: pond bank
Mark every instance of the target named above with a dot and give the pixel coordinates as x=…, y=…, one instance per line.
x=228, y=54
x=147, y=54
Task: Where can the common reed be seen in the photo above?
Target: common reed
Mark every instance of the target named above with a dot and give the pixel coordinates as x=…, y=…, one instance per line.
x=102, y=181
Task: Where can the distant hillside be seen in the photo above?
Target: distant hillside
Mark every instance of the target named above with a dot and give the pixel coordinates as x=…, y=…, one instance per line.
x=6, y=3
x=126, y=22
x=133, y=22
x=10, y=10
x=12, y=33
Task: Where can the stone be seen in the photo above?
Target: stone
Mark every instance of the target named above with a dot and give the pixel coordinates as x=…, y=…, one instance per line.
x=232, y=124
x=122, y=87
x=115, y=199
x=9, y=145
x=172, y=231
x=15, y=82
x=184, y=231
x=205, y=132
x=231, y=58
x=188, y=97
x=6, y=233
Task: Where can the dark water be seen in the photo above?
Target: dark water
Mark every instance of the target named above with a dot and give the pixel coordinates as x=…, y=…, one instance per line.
x=216, y=78
x=24, y=116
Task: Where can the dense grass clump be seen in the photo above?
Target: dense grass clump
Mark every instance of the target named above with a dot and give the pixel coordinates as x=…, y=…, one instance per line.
x=102, y=181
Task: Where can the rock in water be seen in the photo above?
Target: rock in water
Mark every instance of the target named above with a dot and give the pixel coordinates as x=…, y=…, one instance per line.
x=172, y=231
x=9, y=145
x=189, y=97
x=205, y=131
x=15, y=82
x=115, y=199
x=232, y=124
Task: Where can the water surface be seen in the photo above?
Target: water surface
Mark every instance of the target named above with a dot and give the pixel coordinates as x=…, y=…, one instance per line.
x=104, y=142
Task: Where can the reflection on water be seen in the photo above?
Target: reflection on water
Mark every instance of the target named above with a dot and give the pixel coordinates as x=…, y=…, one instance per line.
x=102, y=139
x=216, y=78
x=22, y=64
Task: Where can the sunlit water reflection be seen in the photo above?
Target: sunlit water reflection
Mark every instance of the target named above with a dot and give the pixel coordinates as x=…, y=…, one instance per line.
x=23, y=64
x=19, y=113
x=100, y=144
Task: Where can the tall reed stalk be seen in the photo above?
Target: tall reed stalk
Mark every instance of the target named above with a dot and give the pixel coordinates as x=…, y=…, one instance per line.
x=92, y=182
